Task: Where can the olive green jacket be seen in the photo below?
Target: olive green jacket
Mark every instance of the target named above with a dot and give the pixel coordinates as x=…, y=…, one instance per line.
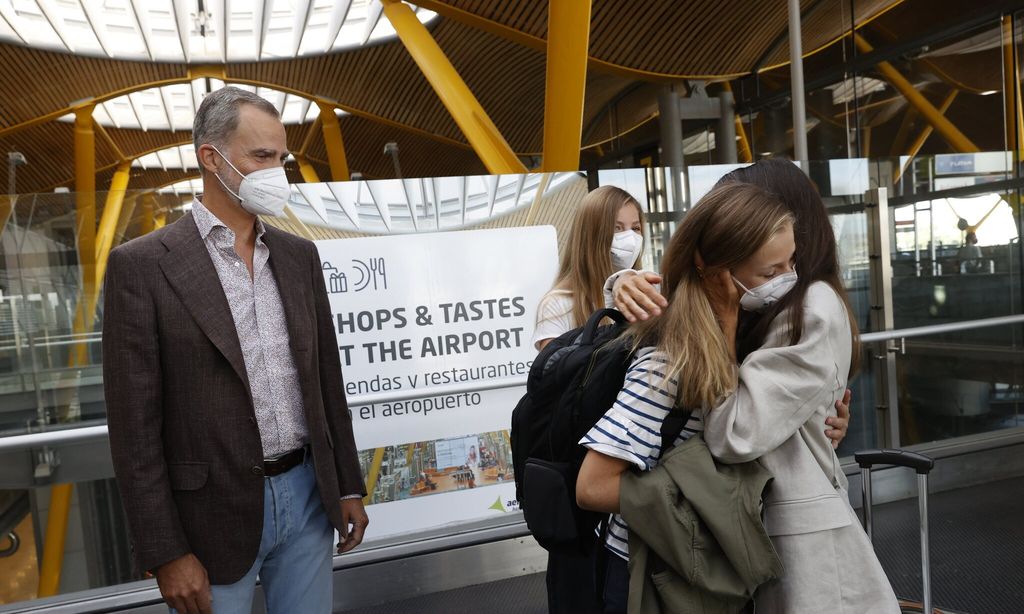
x=696, y=540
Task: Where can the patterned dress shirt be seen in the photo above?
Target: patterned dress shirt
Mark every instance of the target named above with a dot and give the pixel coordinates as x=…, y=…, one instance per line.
x=262, y=332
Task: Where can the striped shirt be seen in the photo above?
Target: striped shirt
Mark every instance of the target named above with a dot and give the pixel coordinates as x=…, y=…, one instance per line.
x=631, y=429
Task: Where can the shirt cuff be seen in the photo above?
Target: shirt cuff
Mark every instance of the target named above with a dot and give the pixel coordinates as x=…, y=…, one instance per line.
x=609, y=286
x=352, y=497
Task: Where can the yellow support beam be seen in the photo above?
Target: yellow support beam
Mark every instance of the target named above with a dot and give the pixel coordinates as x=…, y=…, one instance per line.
x=926, y=132
x=308, y=172
x=148, y=222
x=111, y=214
x=333, y=142
x=53, y=545
x=85, y=190
x=456, y=96
x=108, y=140
x=949, y=132
x=744, y=152
x=314, y=128
x=531, y=215
x=125, y=220
x=373, y=474
x=304, y=230
x=159, y=219
x=1011, y=94
x=566, y=83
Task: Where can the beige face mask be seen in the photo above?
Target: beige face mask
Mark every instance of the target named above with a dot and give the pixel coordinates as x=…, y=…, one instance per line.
x=768, y=293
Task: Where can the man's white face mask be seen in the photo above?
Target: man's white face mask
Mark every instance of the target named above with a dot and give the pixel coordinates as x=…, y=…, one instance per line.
x=767, y=294
x=626, y=248
x=262, y=192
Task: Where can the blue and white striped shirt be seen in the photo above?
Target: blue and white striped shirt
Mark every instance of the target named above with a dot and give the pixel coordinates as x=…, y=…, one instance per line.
x=631, y=429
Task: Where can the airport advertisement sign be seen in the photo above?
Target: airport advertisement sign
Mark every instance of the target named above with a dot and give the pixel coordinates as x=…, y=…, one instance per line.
x=423, y=322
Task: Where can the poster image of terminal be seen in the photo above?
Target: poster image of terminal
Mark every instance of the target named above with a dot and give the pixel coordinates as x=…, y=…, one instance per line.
x=420, y=469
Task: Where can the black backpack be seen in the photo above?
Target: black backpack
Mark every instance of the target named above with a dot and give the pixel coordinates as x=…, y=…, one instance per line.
x=573, y=381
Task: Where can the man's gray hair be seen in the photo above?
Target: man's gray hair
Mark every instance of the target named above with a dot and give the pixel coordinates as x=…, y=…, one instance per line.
x=217, y=116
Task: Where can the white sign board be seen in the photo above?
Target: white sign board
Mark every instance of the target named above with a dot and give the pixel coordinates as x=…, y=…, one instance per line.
x=417, y=312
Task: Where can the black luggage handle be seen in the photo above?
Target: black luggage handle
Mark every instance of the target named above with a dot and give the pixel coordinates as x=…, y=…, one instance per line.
x=922, y=465
x=590, y=328
x=900, y=458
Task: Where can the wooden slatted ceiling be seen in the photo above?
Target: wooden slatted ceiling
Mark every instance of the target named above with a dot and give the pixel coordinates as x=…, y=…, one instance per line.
x=383, y=80
x=418, y=156
x=34, y=82
x=49, y=148
x=701, y=37
x=830, y=19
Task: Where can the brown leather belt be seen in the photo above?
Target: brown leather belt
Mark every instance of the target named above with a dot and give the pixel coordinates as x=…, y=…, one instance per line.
x=284, y=463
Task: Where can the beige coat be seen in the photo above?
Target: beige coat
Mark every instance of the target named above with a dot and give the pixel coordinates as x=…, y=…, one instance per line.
x=777, y=414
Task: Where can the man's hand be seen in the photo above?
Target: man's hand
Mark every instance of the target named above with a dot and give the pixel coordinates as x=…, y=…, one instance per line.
x=184, y=585
x=636, y=297
x=352, y=513
x=840, y=423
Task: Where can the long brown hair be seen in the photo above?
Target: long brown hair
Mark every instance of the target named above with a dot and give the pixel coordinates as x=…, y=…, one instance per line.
x=587, y=260
x=816, y=258
x=726, y=227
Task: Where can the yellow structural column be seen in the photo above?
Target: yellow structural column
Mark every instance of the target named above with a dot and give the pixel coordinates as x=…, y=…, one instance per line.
x=308, y=172
x=111, y=217
x=926, y=132
x=464, y=108
x=565, y=88
x=744, y=153
x=85, y=189
x=53, y=544
x=1011, y=93
x=942, y=125
x=85, y=205
x=147, y=224
x=334, y=144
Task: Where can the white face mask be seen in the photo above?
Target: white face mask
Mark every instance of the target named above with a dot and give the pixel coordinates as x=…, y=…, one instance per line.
x=767, y=294
x=626, y=248
x=262, y=192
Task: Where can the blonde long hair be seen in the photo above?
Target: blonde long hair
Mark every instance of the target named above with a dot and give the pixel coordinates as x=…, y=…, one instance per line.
x=726, y=227
x=587, y=261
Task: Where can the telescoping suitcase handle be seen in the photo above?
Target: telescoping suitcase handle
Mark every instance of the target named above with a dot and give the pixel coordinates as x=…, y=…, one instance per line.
x=923, y=466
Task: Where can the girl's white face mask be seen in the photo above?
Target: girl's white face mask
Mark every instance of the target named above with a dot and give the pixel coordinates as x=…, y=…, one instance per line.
x=626, y=248
x=767, y=294
x=262, y=192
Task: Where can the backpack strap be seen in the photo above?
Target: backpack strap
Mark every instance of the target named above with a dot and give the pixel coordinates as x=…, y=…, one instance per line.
x=672, y=426
x=594, y=321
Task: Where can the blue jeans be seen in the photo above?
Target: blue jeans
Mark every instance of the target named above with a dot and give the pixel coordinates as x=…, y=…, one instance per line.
x=294, y=561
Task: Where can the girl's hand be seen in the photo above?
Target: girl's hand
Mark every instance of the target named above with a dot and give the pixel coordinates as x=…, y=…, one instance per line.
x=840, y=423
x=637, y=298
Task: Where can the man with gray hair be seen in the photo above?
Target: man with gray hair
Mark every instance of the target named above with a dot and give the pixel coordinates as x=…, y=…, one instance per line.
x=231, y=438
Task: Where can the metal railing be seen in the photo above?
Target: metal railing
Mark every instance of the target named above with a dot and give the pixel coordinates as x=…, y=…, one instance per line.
x=13, y=443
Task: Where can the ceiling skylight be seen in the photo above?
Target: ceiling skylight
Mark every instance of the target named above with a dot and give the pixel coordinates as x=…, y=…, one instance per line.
x=173, y=107
x=385, y=206
x=196, y=31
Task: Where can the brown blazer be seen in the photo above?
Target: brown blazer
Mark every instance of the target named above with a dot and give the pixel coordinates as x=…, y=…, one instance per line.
x=183, y=432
